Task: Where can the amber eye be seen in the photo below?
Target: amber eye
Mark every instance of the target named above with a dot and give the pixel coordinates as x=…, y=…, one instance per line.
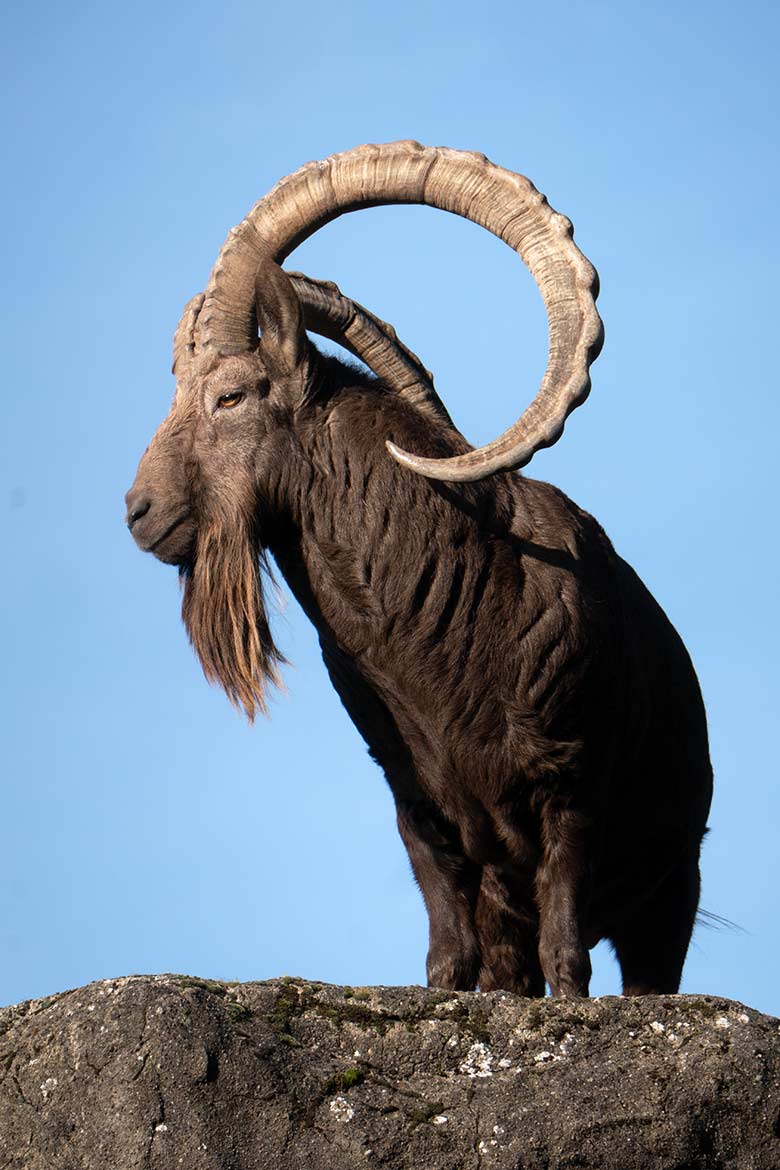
x=231, y=399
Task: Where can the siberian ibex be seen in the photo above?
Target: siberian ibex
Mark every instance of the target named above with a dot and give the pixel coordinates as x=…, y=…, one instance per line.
x=536, y=715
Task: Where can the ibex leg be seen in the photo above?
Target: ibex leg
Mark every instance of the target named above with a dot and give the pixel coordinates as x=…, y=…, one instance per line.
x=563, y=890
x=508, y=927
x=449, y=883
x=651, y=946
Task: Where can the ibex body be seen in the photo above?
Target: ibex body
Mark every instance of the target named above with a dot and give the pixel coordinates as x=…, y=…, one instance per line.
x=536, y=715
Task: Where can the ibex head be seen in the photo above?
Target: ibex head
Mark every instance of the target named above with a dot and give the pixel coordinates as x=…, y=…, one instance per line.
x=203, y=491
x=200, y=492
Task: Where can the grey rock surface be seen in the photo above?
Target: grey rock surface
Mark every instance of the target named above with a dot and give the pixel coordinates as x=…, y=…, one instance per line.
x=164, y=1072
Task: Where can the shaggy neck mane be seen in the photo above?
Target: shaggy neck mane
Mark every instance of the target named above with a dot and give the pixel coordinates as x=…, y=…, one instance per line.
x=224, y=613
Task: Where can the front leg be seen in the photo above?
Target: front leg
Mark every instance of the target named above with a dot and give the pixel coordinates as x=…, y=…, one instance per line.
x=449, y=884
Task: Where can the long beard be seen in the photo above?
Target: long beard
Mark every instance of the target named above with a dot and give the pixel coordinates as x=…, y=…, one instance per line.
x=223, y=609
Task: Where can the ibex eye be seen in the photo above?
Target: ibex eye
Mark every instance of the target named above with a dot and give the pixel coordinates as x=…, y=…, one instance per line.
x=232, y=399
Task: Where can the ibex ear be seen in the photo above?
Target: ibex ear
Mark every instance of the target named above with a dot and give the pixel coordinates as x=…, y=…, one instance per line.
x=284, y=345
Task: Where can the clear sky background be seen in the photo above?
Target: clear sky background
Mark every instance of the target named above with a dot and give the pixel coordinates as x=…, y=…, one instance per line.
x=144, y=826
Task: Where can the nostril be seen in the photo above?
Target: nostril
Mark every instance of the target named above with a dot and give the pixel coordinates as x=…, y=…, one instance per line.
x=136, y=509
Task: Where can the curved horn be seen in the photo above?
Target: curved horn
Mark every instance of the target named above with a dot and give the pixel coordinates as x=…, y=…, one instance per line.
x=462, y=182
x=328, y=312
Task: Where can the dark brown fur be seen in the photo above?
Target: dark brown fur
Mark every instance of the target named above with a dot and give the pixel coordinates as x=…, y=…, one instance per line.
x=536, y=715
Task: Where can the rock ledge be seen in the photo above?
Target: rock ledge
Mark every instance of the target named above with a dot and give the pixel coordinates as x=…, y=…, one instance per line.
x=168, y=1071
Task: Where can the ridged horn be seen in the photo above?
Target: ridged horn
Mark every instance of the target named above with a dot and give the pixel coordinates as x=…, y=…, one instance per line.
x=331, y=314
x=466, y=184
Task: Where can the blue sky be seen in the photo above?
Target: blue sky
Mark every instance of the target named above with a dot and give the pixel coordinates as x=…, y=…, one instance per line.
x=145, y=827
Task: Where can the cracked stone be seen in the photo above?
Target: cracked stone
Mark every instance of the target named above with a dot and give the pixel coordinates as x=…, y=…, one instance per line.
x=159, y=1072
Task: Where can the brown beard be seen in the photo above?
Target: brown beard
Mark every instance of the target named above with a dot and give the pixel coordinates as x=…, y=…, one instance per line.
x=223, y=609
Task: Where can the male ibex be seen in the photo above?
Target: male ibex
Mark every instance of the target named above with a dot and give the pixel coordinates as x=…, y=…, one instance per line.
x=535, y=713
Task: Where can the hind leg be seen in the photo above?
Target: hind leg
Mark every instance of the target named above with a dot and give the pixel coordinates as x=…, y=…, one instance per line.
x=508, y=929
x=651, y=946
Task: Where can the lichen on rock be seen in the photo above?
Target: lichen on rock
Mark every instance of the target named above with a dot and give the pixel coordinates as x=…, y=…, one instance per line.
x=160, y=1072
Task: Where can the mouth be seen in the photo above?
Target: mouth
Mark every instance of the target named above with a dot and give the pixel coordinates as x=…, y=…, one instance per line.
x=152, y=548
x=174, y=544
